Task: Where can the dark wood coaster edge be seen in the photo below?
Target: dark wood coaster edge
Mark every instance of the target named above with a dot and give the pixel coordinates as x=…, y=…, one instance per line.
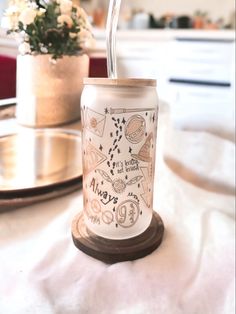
x=114, y=251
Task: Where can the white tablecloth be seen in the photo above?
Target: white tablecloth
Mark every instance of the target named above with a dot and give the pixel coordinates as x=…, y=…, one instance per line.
x=192, y=272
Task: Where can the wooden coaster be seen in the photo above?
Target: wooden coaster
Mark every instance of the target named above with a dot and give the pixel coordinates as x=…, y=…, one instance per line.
x=113, y=251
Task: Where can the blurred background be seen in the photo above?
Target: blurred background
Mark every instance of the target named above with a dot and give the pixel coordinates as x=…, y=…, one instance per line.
x=214, y=14
x=188, y=46
x=203, y=14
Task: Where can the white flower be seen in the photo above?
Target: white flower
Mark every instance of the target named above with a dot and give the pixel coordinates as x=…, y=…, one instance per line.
x=24, y=48
x=73, y=35
x=11, y=22
x=81, y=13
x=43, y=49
x=65, y=19
x=12, y=10
x=17, y=7
x=68, y=17
x=41, y=11
x=12, y=15
x=86, y=39
x=27, y=16
x=33, y=6
x=84, y=35
x=25, y=36
x=65, y=7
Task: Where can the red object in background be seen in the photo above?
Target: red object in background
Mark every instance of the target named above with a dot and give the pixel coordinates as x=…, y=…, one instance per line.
x=7, y=77
x=97, y=68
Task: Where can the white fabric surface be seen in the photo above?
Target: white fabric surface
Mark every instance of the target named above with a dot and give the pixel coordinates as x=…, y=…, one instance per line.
x=192, y=272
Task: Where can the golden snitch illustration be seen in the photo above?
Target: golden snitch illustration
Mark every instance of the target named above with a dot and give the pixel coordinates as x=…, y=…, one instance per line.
x=118, y=185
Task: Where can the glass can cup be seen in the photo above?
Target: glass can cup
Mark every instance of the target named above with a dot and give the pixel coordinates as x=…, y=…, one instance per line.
x=119, y=125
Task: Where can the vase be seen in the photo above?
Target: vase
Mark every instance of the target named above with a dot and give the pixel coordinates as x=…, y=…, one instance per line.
x=48, y=91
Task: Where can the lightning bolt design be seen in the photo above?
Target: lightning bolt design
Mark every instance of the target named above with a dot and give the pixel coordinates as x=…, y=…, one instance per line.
x=147, y=187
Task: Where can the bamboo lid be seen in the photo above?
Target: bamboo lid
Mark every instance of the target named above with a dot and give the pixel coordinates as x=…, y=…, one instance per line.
x=132, y=82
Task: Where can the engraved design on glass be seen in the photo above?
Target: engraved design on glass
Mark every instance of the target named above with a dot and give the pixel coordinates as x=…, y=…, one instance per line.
x=127, y=213
x=95, y=122
x=144, y=152
x=118, y=185
x=93, y=158
x=135, y=129
x=119, y=156
x=147, y=187
x=124, y=110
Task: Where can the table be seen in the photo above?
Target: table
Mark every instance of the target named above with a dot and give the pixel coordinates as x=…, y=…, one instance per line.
x=192, y=272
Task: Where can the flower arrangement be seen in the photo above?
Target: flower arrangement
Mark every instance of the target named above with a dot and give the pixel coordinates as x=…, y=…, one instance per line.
x=56, y=27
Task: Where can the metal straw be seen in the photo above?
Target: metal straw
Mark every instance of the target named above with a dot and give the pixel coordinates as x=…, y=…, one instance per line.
x=111, y=27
